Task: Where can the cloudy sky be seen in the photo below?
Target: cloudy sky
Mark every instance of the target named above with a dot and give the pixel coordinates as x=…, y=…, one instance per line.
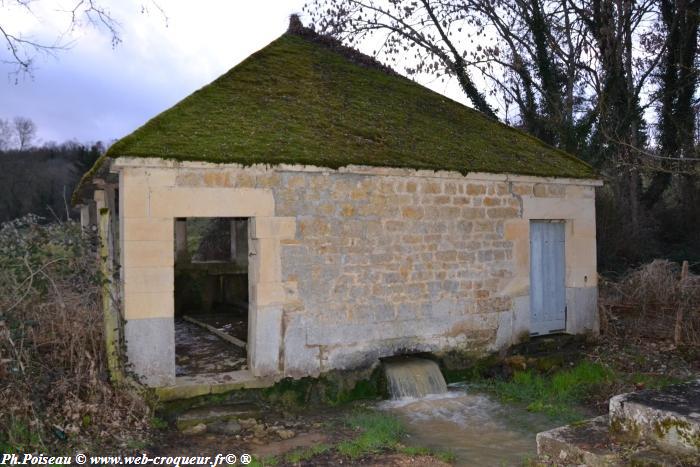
x=93, y=91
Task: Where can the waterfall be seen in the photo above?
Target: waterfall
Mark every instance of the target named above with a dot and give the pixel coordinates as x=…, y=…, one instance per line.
x=413, y=377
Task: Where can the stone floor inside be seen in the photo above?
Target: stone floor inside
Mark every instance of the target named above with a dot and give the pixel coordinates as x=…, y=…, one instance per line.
x=199, y=350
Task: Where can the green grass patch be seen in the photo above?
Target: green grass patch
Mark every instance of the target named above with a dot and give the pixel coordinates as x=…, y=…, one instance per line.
x=558, y=394
x=158, y=423
x=443, y=455
x=266, y=462
x=379, y=432
x=416, y=451
x=306, y=454
x=18, y=438
x=650, y=381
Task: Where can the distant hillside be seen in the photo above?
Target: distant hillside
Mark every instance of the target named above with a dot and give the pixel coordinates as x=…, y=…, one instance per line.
x=40, y=180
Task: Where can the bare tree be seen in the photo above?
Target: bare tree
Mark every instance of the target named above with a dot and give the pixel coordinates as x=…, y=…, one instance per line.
x=524, y=54
x=429, y=32
x=25, y=130
x=22, y=49
x=6, y=135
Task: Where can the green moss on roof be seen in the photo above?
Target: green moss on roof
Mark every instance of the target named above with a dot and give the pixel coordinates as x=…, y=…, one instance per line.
x=301, y=101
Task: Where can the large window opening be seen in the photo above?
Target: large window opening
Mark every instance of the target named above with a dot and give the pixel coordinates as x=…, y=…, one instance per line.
x=211, y=295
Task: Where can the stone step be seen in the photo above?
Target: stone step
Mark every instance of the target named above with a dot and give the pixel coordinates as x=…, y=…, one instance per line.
x=586, y=443
x=669, y=418
x=216, y=414
x=590, y=443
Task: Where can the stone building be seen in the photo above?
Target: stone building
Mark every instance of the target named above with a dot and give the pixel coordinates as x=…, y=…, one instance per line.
x=360, y=216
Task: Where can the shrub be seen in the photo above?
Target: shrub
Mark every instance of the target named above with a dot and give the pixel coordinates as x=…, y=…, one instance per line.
x=54, y=387
x=647, y=302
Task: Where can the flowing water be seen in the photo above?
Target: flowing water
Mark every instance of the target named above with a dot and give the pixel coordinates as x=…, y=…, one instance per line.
x=478, y=430
x=413, y=377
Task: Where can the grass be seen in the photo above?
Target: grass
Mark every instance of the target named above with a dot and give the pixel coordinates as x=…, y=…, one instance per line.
x=556, y=395
x=306, y=454
x=158, y=423
x=445, y=456
x=266, y=462
x=379, y=432
x=18, y=438
x=648, y=381
x=563, y=393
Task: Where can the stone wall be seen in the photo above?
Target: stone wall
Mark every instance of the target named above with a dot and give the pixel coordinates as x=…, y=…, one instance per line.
x=377, y=262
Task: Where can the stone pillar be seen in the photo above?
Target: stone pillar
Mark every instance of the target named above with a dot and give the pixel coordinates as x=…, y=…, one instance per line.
x=148, y=269
x=84, y=216
x=266, y=292
x=110, y=314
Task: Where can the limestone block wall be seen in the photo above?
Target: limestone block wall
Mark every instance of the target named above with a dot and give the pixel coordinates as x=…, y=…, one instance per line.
x=353, y=265
x=150, y=201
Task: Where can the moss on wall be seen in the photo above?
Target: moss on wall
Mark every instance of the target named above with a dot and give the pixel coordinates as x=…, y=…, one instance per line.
x=332, y=388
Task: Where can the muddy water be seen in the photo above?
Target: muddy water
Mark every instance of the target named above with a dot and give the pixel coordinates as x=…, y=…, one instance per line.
x=413, y=377
x=478, y=430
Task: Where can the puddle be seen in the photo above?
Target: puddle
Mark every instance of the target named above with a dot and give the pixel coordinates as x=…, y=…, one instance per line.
x=477, y=429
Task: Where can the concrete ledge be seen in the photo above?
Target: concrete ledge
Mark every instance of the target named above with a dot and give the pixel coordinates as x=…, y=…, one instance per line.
x=155, y=162
x=186, y=387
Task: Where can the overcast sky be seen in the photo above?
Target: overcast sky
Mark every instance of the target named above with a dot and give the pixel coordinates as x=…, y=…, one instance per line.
x=93, y=91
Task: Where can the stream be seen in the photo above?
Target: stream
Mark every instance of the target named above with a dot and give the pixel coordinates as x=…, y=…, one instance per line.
x=476, y=429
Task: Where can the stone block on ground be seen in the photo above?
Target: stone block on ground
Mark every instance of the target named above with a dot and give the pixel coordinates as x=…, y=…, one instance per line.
x=216, y=416
x=670, y=417
x=225, y=427
x=197, y=429
x=585, y=443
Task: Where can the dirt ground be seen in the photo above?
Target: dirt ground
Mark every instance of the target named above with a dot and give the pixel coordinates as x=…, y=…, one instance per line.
x=642, y=364
x=277, y=435
x=282, y=435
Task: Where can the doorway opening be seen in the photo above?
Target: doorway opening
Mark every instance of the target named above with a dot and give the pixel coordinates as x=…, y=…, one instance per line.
x=211, y=295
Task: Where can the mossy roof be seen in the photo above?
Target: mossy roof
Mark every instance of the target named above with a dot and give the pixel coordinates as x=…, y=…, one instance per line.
x=306, y=99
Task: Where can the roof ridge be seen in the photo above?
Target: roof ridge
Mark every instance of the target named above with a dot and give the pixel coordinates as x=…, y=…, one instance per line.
x=297, y=28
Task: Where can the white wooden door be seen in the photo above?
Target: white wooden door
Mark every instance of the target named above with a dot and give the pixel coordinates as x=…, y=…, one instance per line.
x=547, y=277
